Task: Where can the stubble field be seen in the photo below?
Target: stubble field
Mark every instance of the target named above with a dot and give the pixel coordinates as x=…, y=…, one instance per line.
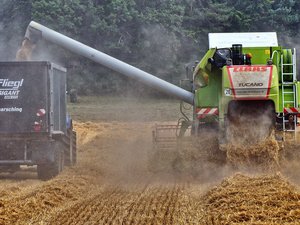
x=111, y=183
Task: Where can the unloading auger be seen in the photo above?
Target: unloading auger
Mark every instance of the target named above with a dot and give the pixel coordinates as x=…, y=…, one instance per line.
x=36, y=31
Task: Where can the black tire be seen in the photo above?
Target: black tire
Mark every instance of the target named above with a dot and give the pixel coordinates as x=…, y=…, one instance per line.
x=49, y=171
x=70, y=148
x=74, y=149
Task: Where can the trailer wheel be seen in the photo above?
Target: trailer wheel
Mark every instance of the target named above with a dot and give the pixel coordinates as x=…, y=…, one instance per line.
x=49, y=171
x=73, y=149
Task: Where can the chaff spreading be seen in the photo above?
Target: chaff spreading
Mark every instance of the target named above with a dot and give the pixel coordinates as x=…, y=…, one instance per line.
x=242, y=199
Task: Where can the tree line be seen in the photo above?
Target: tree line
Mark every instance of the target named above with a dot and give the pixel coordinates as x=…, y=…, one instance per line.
x=161, y=37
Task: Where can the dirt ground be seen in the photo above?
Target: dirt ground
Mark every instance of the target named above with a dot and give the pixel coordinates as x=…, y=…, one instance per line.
x=111, y=183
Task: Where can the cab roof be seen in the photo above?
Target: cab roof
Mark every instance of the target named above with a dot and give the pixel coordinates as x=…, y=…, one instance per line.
x=251, y=39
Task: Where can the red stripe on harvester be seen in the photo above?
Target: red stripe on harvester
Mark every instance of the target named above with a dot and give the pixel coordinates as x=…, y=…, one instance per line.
x=291, y=110
x=294, y=110
x=206, y=111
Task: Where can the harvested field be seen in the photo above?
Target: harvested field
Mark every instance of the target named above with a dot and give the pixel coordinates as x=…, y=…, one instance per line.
x=111, y=183
x=267, y=199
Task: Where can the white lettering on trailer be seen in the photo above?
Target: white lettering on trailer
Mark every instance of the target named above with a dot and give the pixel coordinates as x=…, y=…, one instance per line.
x=10, y=89
x=12, y=109
x=11, y=84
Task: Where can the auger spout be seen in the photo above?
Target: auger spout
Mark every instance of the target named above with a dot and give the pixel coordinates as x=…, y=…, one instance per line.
x=36, y=31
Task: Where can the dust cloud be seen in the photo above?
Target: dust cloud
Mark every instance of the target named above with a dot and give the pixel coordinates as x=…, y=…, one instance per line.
x=252, y=144
x=120, y=156
x=8, y=47
x=211, y=191
x=250, y=138
x=24, y=53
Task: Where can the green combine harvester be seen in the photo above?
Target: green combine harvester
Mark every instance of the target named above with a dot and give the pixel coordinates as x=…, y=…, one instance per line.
x=244, y=75
x=246, y=91
x=253, y=77
x=244, y=87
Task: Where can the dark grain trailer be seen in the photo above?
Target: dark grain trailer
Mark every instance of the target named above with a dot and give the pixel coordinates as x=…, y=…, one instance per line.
x=34, y=126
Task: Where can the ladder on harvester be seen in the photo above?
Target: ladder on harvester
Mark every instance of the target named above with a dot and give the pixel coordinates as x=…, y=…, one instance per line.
x=289, y=91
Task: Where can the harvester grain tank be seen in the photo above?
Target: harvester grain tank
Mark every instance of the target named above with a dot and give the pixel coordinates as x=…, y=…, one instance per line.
x=242, y=75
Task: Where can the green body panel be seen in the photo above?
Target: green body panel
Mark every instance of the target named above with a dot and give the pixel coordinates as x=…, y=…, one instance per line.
x=211, y=83
x=260, y=55
x=203, y=70
x=208, y=83
x=209, y=91
x=209, y=95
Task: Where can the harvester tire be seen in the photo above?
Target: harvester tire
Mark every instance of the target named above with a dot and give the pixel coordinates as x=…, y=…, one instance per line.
x=74, y=149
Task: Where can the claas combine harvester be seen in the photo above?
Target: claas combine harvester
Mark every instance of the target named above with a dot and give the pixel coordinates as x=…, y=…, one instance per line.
x=243, y=75
x=246, y=75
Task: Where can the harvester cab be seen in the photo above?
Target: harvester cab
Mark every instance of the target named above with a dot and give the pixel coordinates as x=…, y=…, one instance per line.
x=230, y=56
